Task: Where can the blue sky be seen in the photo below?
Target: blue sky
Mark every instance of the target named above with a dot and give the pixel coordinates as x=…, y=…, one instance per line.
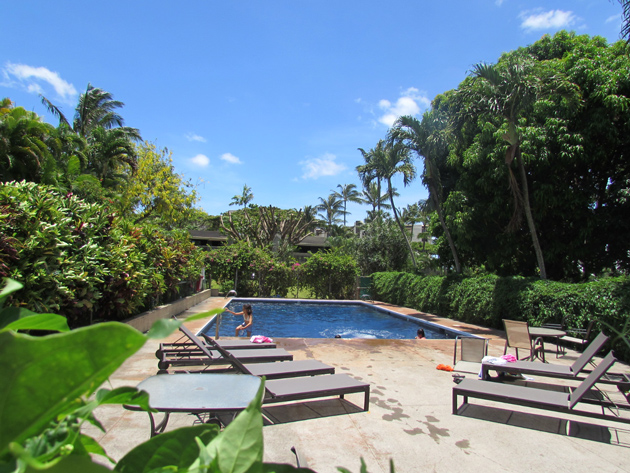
x=274, y=94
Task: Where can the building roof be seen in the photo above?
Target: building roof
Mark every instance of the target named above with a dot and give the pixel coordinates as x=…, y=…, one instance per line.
x=207, y=235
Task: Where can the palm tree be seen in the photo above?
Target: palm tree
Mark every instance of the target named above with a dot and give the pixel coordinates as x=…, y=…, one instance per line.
x=427, y=140
x=411, y=215
x=347, y=192
x=330, y=210
x=109, y=142
x=367, y=171
x=373, y=197
x=28, y=146
x=383, y=163
x=245, y=198
x=625, y=25
x=509, y=90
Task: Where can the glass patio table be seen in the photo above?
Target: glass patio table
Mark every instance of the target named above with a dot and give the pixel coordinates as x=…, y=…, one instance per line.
x=197, y=393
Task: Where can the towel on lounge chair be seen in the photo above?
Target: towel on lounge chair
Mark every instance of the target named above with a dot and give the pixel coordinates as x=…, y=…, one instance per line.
x=260, y=339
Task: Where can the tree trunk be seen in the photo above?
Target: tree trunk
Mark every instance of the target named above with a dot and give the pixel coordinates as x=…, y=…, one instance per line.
x=530, y=218
x=447, y=233
x=400, y=225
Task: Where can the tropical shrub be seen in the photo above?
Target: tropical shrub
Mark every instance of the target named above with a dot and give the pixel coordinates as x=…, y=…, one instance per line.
x=487, y=300
x=330, y=275
x=78, y=259
x=381, y=248
x=257, y=271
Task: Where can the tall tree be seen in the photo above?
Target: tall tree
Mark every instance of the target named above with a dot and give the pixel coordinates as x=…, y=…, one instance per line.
x=426, y=138
x=156, y=192
x=385, y=162
x=28, y=145
x=509, y=90
x=367, y=171
x=372, y=196
x=347, y=193
x=245, y=198
x=625, y=25
x=109, y=142
x=330, y=211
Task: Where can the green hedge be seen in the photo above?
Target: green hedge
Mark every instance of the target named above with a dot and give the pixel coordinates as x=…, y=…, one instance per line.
x=487, y=300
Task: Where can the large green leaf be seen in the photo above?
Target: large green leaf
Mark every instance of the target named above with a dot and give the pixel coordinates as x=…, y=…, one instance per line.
x=174, y=448
x=73, y=464
x=239, y=448
x=43, y=376
x=15, y=318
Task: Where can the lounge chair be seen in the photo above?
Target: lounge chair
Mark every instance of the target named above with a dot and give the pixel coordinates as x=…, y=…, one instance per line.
x=304, y=385
x=574, y=371
x=517, y=336
x=285, y=369
x=539, y=398
x=296, y=389
x=184, y=343
x=201, y=355
x=471, y=352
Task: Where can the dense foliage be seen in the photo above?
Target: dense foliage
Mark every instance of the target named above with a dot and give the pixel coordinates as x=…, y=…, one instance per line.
x=81, y=260
x=382, y=247
x=330, y=275
x=487, y=300
x=573, y=138
x=256, y=271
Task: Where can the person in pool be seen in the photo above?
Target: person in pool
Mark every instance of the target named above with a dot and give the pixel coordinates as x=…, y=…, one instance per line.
x=420, y=335
x=248, y=319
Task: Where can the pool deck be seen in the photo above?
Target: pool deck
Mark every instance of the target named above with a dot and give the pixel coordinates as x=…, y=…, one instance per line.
x=409, y=420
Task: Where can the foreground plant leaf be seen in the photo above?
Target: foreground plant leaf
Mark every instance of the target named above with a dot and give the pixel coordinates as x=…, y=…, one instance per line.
x=14, y=318
x=174, y=448
x=239, y=448
x=43, y=376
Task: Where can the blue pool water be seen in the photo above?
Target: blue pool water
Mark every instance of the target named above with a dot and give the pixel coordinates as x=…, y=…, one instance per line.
x=302, y=319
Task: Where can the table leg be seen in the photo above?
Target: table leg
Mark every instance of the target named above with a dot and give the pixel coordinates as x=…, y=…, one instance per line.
x=159, y=428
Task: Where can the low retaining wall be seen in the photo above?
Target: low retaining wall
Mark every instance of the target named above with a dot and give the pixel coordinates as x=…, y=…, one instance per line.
x=144, y=321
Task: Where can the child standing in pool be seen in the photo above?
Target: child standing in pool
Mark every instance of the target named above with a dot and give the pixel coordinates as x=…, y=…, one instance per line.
x=248, y=319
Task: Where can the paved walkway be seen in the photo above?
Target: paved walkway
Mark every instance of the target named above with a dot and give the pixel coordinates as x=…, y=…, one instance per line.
x=409, y=419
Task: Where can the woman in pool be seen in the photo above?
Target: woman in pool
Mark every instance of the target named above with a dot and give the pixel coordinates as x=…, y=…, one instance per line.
x=248, y=319
x=420, y=335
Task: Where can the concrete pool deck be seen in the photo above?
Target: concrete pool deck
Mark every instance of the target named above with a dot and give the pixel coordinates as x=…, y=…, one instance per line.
x=409, y=420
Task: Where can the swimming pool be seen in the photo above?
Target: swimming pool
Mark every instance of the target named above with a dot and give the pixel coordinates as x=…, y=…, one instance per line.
x=294, y=318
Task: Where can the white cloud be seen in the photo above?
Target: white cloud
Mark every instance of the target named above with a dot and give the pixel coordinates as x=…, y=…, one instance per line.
x=410, y=102
x=326, y=165
x=31, y=79
x=195, y=137
x=201, y=160
x=553, y=19
x=230, y=158
x=615, y=18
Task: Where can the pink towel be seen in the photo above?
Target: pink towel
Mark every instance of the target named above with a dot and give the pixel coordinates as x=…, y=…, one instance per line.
x=509, y=358
x=260, y=339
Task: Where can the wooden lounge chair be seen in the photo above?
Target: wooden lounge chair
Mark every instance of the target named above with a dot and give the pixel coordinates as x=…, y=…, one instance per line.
x=573, y=371
x=201, y=355
x=471, y=352
x=540, y=398
x=285, y=369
